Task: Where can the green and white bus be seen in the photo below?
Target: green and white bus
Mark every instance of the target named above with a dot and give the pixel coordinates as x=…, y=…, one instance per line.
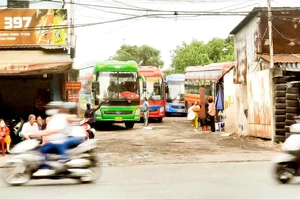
x=116, y=83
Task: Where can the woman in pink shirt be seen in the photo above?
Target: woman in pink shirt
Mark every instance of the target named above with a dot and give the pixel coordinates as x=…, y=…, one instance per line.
x=211, y=114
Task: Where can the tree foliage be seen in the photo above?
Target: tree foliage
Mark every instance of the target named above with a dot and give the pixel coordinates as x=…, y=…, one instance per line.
x=144, y=55
x=198, y=53
x=168, y=72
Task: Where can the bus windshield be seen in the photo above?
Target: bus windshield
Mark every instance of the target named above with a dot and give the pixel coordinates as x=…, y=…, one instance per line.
x=176, y=90
x=118, y=85
x=154, y=88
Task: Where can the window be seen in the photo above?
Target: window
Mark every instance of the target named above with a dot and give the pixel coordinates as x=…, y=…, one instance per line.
x=192, y=86
x=116, y=85
x=176, y=90
x=155, y=88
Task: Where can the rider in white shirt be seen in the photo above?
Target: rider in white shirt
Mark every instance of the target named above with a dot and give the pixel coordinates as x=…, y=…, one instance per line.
x=56, y=136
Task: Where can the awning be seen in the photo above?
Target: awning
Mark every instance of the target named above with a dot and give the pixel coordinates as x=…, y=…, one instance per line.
x=289, y=62
x=33, y=62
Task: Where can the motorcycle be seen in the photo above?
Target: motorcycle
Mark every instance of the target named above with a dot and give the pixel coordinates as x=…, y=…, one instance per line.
x=26, y=159
x=287, y=164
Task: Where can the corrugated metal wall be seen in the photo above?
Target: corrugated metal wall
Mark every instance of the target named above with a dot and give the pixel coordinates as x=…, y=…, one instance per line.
x=259, y=99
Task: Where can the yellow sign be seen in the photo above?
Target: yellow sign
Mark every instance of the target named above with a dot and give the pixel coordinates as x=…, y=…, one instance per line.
x=180, y=110
x=118, y=119
x=152, y=79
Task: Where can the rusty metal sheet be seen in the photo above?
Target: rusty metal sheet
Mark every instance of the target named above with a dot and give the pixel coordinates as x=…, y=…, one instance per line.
x=259, y=99
x=285, y=31
x=283, y=58
x=240, y=72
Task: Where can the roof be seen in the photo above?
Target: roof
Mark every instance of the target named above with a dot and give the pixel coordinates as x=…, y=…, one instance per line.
x=175, y=77
x=254, y=12
x=27, y=46
x=289, y=62
x=35, y=62
x=210, y=67
x=283, y=58
x=150, y=71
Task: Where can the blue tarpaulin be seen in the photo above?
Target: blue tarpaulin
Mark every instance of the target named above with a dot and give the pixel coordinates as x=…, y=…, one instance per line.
x=220, y=99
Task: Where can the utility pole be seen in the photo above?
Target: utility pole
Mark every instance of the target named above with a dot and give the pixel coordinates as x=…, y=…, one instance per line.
x=270, y=27
x=271, y=82
x=72, y=35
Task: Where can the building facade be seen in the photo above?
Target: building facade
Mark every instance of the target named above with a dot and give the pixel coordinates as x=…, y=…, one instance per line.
x=36, y=56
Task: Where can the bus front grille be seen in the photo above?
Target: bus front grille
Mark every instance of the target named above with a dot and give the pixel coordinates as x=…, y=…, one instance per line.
x=127, y=112
x=177, y=107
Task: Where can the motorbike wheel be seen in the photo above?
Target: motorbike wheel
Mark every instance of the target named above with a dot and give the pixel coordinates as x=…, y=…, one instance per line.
x=284, y=173
x=91, y=135
x=95, y=170
x=10, y=176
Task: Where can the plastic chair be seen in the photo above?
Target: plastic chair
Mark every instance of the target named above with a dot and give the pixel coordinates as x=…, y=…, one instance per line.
x=220, y=126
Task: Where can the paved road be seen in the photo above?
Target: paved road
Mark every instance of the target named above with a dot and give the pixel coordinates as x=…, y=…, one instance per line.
x=249, y=180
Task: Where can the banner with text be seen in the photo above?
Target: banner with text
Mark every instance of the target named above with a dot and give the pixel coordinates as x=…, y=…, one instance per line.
x=33, y=27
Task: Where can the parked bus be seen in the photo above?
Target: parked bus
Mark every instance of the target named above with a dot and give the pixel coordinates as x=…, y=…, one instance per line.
x=117, y=84
x=175, y=96
x=203, y=76
x=155, y=91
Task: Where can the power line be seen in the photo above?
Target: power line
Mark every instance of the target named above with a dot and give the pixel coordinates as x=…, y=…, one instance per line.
x=111, y=21
x=114, y=29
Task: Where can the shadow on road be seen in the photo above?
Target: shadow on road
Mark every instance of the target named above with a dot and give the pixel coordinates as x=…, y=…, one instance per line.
x=110, y=127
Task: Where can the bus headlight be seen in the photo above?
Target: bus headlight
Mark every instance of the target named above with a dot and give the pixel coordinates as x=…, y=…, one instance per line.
x=98, y=112
x=138, y=112
x=162, y=109
x=167, y=107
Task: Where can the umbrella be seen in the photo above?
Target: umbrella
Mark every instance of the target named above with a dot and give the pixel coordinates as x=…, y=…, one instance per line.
x=220, y=99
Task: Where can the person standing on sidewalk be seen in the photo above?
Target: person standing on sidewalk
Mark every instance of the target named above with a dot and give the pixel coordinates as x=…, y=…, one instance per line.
x=196, y=109
x=145, y=110
x=211, y=114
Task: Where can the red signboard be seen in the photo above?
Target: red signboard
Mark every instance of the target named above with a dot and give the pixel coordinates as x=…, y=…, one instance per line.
x=73, y=97
x=73, y=85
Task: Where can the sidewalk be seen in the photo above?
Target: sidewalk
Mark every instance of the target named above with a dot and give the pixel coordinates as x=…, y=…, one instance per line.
x=216, y=158
x=3, y=159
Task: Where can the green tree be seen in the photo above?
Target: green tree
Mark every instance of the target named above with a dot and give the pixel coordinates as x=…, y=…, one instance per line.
x=143, y=55
x=127, y=52
x=193, y=54
x=168, y=72
x=215, y=50
x=198, y=53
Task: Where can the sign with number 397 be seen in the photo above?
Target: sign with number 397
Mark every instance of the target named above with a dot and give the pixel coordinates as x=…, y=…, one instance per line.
x=33, y=26
x=16, y=22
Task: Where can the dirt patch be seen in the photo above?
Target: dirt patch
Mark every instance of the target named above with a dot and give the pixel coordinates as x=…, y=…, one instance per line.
x=174, y=141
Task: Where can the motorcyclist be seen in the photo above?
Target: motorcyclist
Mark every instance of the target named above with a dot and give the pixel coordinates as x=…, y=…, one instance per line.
x=55, y=134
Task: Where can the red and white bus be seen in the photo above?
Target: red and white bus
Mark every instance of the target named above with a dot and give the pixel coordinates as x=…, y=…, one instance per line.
x=155, y=92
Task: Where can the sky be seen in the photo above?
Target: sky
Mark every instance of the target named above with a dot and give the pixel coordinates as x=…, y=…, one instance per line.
x=100, y=42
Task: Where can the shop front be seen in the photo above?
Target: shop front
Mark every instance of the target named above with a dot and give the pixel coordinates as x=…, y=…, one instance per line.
x=29, y=79
x=34, y=60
